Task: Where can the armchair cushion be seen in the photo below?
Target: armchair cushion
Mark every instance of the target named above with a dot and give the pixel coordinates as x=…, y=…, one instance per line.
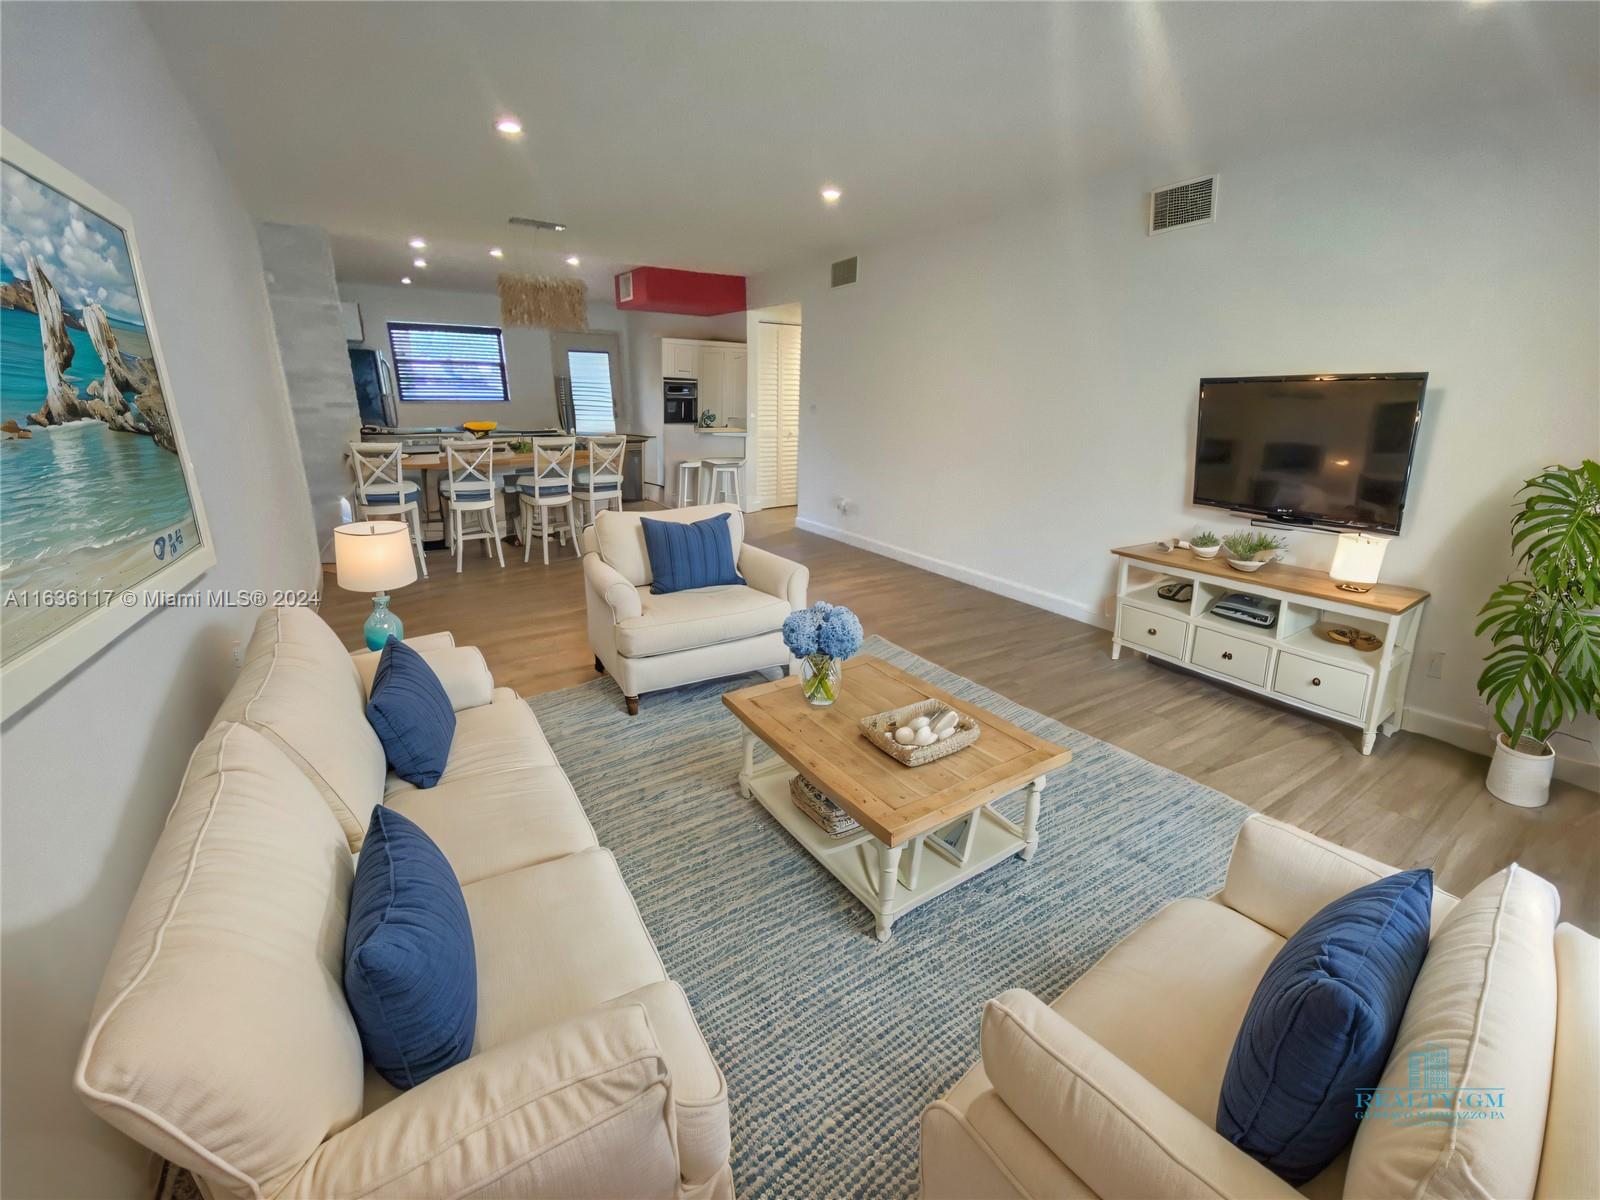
x=412, y=715
x=702, y=617
x=693, y=554
x=578, y=1109
x=1109, y=1126
x=410, y=973
x=1321, y=1024
x=619, y=536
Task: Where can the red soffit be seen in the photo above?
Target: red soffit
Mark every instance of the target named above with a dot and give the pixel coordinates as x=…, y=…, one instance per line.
x=687, y=293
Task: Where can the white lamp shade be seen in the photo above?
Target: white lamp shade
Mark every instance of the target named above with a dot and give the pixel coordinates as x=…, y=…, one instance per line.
x=1358, y=558
x=374, y=556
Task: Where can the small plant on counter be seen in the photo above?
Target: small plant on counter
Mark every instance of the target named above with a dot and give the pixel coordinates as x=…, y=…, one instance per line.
x=821, y=637
x=1544, y=668
x=1204, y=540
x=1248, y=544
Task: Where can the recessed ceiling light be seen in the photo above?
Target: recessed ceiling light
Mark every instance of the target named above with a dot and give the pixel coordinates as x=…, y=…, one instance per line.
x=496, y=252
x=831, y=194
x=418, y=244
x=419, y=262
x=508, y=125
x=405, y=279
x=572, y=260
x=560, y=228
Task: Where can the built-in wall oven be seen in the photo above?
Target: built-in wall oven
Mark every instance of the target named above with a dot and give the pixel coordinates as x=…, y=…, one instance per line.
x=682, y=398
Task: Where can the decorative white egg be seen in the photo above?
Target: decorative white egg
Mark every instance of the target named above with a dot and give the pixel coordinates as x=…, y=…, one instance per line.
x=926, y=736
x=946, y=733
x=905, y=735
x=919, y=722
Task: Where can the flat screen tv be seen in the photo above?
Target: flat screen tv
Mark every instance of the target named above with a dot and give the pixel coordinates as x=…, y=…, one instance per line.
x=1309, y=449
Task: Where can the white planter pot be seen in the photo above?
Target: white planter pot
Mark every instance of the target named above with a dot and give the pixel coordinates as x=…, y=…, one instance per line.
x=1518, y=777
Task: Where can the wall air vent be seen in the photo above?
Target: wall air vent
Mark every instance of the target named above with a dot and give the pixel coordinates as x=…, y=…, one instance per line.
x=844, y=272
x=625, y=287
x=1184, y=204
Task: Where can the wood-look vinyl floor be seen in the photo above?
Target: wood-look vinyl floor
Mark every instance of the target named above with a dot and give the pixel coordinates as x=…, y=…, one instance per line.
x=1413, y=802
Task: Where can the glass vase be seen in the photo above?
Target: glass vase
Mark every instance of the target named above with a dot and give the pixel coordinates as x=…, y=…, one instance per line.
x=819, y=679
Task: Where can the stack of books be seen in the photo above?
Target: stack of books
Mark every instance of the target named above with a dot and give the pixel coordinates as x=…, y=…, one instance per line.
x=830, y=818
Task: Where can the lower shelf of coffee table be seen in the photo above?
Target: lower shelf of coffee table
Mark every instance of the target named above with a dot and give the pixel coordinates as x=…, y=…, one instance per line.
x=926, y=868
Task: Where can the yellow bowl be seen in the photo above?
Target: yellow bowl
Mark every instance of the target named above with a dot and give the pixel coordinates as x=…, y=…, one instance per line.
x=480, y=426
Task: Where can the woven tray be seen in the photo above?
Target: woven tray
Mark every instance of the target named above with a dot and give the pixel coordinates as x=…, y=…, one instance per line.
x=879, y=730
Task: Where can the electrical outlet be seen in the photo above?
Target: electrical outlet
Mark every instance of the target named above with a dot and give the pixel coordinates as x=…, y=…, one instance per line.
x=237, y=654
x=844, y=504
x=1436, y=665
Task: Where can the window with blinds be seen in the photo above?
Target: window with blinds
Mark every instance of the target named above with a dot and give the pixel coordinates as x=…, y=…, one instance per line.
x=593, y=407
x=448, y=364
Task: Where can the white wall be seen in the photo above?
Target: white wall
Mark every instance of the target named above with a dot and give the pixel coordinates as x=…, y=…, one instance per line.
x=89, y=770
x=530, y=376
x=1035, y=375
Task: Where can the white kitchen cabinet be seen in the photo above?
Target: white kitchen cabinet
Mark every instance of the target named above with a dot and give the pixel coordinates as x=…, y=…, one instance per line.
x=679, y=359
x=713, y=377
x=720, y=369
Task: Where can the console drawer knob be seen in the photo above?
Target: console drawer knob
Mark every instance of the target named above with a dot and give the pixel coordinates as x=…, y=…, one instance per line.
x=1315, y=682
x=1151, y=631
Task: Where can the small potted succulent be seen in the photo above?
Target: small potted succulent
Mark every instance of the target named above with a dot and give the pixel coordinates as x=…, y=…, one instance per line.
x=1250, y=550
x=1205, y=544
x=1543, y=669
x=822, y=637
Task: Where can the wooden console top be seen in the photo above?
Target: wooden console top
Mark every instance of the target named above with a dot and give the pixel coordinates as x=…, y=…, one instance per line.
x=1298, y=581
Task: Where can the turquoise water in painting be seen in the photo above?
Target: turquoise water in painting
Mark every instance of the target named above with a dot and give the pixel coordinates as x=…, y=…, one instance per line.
x=80, y=505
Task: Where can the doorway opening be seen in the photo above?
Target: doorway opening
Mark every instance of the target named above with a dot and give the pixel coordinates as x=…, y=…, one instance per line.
x=774, y=337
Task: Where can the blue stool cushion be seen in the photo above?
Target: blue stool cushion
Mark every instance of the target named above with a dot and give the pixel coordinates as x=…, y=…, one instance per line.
x=388, y=493
x=411, y=714
x=410, y=970
x=686, y=555
x=1321, y=1024
x=466, y=489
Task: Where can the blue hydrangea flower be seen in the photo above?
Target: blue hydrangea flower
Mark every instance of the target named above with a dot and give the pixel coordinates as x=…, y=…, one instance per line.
x=800, y=632
x=840, y=635
x=822, y=608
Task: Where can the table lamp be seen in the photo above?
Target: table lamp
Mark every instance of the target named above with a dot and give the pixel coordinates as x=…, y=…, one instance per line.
x=374, y=556
x=1356, y=561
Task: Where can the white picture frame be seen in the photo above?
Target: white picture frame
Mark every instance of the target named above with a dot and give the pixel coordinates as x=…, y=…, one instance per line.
x=103, y=599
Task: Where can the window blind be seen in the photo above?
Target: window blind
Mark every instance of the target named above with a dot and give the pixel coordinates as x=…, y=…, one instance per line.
x=449, y=364
x=593, y=409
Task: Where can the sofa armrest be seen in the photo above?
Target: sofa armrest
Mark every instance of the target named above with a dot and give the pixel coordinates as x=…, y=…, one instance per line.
x=1280, y=876
x=579, y=1109
x=461, y=669
x=767, y=572
x=1108, y=1124
x=606, y=582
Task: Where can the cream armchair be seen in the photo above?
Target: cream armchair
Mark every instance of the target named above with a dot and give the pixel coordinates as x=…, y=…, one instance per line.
x=649, y=642
x=1111, y=1091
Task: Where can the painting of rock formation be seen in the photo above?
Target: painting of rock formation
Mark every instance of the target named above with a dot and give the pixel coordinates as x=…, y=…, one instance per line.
x=95, y=498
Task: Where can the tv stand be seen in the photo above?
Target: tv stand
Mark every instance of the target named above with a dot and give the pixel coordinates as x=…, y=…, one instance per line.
x=1293, y=662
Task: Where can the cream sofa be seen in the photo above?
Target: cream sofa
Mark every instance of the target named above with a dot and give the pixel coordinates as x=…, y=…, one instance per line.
x=649, y=642
x=221, y=1038
x=1112, y=1090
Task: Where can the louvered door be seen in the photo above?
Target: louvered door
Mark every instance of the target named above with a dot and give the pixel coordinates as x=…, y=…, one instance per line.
x=786, y=488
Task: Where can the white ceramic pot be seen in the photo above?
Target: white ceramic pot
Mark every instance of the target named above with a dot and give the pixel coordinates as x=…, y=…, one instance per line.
x=1205, y=551
x=1518, y=777
x=1247, y=565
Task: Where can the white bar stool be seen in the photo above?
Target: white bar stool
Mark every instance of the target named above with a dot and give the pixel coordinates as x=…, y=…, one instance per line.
x=684, y=468
x=724, y=478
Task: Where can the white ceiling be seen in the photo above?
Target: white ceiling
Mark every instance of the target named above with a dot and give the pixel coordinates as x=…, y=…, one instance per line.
x=698, y=135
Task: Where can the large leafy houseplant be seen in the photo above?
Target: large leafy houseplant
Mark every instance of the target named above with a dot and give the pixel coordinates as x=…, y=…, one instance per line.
x=1544, y=666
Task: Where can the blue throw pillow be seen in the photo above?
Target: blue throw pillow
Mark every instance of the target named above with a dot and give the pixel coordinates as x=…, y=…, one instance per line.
x=1321, y=1025
x=411, y=714
x=410, y=973
x=686, y=555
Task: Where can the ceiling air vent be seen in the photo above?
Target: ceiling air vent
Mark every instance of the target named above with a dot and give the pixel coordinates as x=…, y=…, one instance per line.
x=1183, y=204
x=844, y=272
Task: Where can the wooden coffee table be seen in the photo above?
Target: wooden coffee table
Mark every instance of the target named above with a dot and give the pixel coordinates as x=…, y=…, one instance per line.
x=945, y=807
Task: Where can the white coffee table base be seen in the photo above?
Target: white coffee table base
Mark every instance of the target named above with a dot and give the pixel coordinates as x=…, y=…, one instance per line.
x=892, y=880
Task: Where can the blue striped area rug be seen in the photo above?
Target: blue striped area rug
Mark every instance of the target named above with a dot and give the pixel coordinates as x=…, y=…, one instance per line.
x=832, y=1043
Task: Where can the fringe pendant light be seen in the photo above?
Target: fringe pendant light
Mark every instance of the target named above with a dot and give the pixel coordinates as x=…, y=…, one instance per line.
x=543, y=301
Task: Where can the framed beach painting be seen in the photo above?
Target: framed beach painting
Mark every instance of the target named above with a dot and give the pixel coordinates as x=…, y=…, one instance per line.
x=100, y=519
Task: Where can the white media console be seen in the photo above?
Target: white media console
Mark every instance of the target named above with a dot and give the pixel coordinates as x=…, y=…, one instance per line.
x=1294, y=662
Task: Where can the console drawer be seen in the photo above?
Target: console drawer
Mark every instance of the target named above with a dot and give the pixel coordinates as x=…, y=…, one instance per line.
x=1153, y=631
x=1337, y=689
x=1235, y=657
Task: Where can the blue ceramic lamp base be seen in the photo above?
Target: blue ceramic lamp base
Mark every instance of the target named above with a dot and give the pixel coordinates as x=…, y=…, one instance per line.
x=382, y=624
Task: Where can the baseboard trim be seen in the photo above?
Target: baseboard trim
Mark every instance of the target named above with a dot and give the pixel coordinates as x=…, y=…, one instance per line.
x=1467, y=735
x=1062, y=606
